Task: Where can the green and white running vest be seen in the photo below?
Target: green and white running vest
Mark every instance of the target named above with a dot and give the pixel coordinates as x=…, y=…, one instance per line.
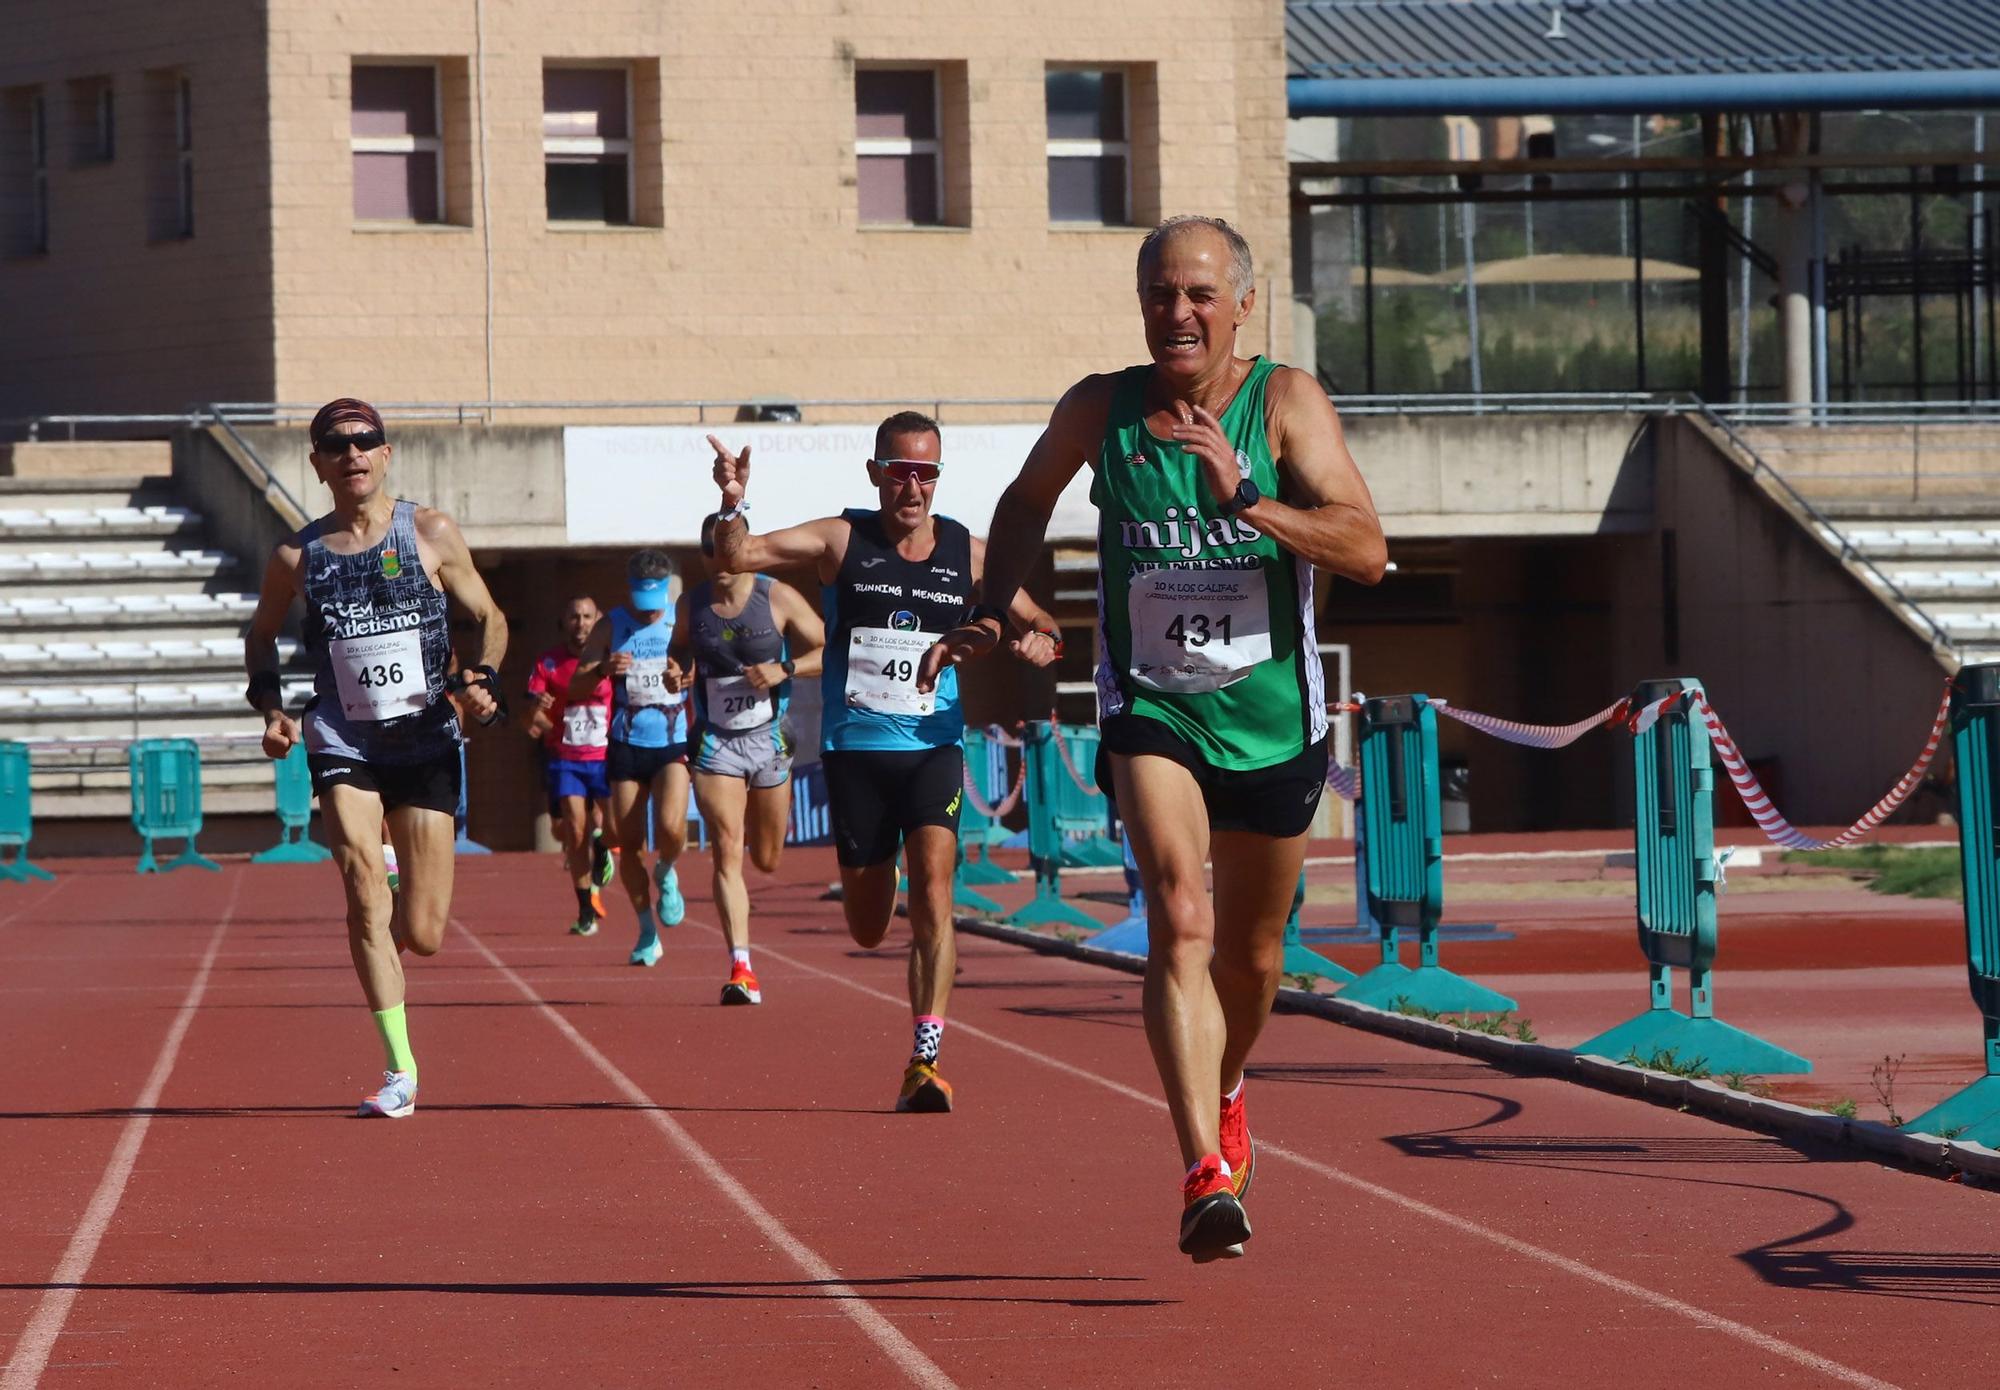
x=1205, y=622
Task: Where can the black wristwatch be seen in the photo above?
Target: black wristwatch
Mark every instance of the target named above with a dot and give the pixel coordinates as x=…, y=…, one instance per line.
x=1247, y=495
x=980, y=612
x=789, y=667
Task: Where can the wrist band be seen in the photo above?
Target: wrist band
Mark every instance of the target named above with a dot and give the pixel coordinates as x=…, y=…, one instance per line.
x=742, y=506
x=260, y=683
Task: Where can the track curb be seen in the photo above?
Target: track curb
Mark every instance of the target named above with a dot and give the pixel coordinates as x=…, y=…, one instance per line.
x=1929, y=1153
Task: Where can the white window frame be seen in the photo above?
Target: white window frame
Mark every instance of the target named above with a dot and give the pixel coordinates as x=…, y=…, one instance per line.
x=905, y=147
x=184, y=154
x=38, y=171
x=403, y=144
x=1095, y=149
x=595, y=145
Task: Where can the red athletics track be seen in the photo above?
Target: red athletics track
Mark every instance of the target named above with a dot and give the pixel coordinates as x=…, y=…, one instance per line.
x=613, y=1180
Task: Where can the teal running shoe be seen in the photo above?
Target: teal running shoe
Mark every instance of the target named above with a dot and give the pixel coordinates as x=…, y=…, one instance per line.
x=673, y=907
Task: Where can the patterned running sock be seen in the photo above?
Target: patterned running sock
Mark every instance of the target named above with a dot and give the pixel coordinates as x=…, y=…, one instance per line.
x=395, y=1030
x=930, y=1032
x=599, y=855
x=586, y=904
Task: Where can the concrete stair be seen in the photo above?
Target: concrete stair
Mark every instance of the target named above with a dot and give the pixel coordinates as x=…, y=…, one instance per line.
x=116, y=623
x=1943, y=556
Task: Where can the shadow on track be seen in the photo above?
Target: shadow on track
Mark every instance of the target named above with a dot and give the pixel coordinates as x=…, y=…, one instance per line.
x=748, y=1289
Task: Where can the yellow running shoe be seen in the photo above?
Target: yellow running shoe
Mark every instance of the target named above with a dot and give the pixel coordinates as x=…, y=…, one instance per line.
x=924, y=1091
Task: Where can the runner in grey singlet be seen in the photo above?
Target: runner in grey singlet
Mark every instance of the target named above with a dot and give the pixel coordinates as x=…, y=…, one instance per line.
x=740, y=730
x=362, y=612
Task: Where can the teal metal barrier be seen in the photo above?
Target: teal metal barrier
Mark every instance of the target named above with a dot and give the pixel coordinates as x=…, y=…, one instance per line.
x=1046, y=778
x=1130, y=934
x=1674, y=837
x=463, y=843
x=166, y=800
x=985, y=768
x=1974, y=1113
x=1083, y=814
x=1399, y=831
x=1301, y=959
x=17, y=815
x=295, y=805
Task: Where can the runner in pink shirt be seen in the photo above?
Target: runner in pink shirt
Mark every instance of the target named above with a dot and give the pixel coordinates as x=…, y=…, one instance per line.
x=575, y=734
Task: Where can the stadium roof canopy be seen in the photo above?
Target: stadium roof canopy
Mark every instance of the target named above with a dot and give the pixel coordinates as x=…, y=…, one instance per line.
x=1469, y=57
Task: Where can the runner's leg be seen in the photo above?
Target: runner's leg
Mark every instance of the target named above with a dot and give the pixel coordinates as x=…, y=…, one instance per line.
x=1168, y=823
x=628, y=815
x=767, y=818
x=670, y=802
x=1255, y=877
x=352, y=819
x=930, y=854
x=426, y=845
x=868, y=901
x=721, y=798
x=573, y=830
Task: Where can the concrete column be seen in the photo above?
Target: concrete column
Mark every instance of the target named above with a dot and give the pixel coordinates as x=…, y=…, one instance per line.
x=1795, y=237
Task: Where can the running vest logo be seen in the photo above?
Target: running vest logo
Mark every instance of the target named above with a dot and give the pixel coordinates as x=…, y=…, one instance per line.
x=933, y=596
x=1242, y=463
x=892, y=590
x=363, y=620
x=874, y=560
x=1186, y=533
x=903, y=620
x=1136, y=459
x=392, y=563
x=946, y=570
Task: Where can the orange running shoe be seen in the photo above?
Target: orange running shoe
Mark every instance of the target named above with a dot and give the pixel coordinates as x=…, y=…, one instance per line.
x=597, y=905
x=924, y=1091
x=1238, y=1151
x=1213, y=1224
x=742, y=986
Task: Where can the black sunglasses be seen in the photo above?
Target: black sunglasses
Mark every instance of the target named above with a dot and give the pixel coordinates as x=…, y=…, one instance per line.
x=336, y=445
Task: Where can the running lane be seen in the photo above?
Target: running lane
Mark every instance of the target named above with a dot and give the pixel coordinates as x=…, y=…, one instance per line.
x=1420, y=1219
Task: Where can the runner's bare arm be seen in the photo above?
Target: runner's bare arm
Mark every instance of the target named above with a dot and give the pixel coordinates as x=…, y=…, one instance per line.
x=1021, y=520
x=535, y=719
x=592, y=663
x=1036, y=633
x=805, y=634
x=1328, y=517
x=461, y=581
x=821, y=544
x=680, y=651
x=260, y=648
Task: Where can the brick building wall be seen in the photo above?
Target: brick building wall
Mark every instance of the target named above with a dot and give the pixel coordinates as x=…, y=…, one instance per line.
x=750, y=274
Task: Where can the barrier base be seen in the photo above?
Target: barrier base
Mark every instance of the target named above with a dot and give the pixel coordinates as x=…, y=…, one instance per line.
x=1130, y=938
x=304, y=850
x=963, y=896
x=188, y=857
x=1095, y=852
x=1427, y=987
x=983, y=871
x=1973, y=1113
x=1046, y=909
x=1711, y=1042
x=1301, y=959
x=464, y=844
x=22, y=870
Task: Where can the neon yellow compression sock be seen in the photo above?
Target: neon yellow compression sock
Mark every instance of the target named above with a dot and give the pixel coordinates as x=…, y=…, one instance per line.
x=395, y=1030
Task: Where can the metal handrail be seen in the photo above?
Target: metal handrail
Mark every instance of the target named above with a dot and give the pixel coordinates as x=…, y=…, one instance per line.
x=1848, y=552
x=272, y=483
x=277, y=412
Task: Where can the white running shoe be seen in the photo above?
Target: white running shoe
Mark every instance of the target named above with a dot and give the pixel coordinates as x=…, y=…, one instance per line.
x=396, y=1099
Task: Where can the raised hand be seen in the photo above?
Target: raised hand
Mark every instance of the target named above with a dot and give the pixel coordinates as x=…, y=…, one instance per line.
x=732, y=472
x=1035, y=648
x=1200, y=433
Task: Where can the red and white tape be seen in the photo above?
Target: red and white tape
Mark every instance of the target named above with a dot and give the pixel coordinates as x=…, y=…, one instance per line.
x=1781, y=831
x=1544, y=736
x=1069, y=765
x=1006, y=803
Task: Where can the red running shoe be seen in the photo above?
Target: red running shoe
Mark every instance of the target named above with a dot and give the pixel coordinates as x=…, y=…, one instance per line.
x=1238, y=1151
x=742, y=986
x=1213, y=1224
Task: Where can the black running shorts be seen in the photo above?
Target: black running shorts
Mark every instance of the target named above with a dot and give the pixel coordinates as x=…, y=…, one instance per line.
x=877, y=798
x=1278, y=801
x=628, y=762
x=432, y=785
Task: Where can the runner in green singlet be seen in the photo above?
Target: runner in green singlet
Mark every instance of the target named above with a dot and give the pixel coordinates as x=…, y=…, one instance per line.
x=1221, y=483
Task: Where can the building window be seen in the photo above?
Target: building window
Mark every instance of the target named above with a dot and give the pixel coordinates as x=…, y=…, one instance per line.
x=897, y=146
x=92, y=121
x=168, y=132
x=183, y=157
x=587, y=144
x=398, y=154
x=1090, y=152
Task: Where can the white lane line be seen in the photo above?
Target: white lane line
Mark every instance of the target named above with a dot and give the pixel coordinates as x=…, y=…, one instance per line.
x=38, y=903
x=919, y=1368
x=1701, y=1317
x=38, y=1339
